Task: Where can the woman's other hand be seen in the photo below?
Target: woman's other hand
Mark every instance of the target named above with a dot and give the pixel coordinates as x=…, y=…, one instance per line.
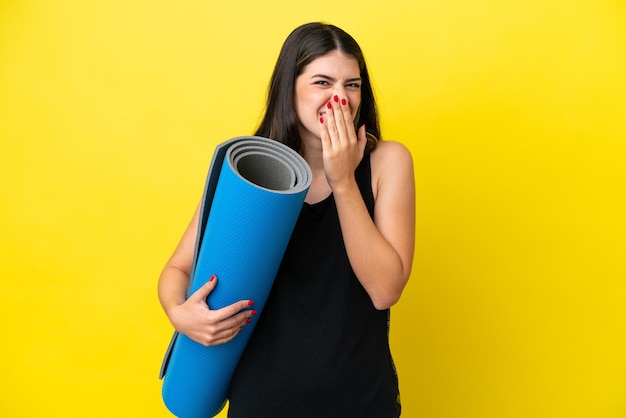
x=207, y=326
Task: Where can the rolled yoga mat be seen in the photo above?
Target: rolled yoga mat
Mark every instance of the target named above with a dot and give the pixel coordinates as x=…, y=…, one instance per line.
x=253, y=195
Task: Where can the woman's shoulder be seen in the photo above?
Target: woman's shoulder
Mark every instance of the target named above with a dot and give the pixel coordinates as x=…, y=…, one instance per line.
x=391, y=153
x=391, y=163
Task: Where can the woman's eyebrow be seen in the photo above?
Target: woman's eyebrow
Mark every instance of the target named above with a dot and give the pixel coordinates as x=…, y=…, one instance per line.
x=329, y=78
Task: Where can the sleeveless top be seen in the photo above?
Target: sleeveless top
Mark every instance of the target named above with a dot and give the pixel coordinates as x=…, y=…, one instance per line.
x=320, y=348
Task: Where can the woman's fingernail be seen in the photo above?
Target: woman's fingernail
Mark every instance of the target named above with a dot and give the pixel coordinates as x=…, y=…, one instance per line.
x=212, y=278
x=248, y=321
x=252, y=313
x=321, y=120
x=343, y=101
x=328, y=105
x=250, y=302
x=336, y=98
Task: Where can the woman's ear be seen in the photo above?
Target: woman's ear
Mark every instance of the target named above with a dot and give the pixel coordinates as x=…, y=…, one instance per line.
x=357, y=116
x=361, y=137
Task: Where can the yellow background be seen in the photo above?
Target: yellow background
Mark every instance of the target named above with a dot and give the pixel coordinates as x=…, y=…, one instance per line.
x=515, y=112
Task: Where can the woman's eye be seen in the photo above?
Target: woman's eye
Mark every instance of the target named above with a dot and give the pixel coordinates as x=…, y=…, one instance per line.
x=321, y=82
x=354, y=86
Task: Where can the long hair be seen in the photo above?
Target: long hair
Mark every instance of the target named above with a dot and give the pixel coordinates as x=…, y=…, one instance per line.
x=303, y=45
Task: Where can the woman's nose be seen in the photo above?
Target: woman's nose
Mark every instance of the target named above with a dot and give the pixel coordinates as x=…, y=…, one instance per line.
x=339, y=93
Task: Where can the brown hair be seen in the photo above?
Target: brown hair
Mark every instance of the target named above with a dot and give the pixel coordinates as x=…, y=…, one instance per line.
x=303, y=45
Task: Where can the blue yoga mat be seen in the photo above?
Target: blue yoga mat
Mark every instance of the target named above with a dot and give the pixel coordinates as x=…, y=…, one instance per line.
x=253, y=195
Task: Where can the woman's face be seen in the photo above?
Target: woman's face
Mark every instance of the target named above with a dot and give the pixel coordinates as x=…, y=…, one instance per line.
x=333, y=74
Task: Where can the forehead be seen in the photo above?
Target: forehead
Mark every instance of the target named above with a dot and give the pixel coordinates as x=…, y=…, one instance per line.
x=334, y=63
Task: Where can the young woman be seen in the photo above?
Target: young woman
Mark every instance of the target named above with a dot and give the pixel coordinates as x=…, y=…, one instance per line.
x=321, y=346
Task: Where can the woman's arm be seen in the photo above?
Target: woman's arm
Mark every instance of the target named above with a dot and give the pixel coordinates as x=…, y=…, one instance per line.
x=380, y=250
x=192, y=316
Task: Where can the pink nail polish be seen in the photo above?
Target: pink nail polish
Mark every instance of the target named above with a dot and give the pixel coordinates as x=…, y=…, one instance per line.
x=321, y=120
x=336, y=98
x=343, y=102
x=328, y=105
